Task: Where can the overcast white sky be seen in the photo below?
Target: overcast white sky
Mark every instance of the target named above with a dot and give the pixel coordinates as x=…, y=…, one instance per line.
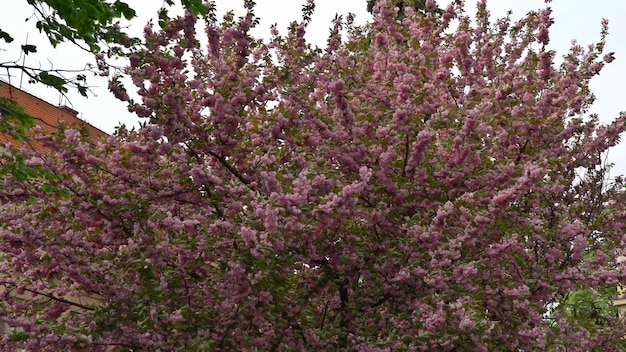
x=574, y=19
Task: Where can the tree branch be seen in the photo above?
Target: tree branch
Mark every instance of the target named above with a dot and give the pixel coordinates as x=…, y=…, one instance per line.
x=55, y=298
x=230, y=168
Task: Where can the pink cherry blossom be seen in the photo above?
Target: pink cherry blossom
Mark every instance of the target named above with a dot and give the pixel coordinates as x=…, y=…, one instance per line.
x=427, y=185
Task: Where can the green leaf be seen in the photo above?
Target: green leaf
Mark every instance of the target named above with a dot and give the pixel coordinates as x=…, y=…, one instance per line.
x=5, y=36
x=82, y=90
x=29, y=48
x=65, y=193
x=197, y=7
x=48, y=188
x=163, y=18
x=17, y=121
x=53, y=81
x=122, y=9
x=18, y=335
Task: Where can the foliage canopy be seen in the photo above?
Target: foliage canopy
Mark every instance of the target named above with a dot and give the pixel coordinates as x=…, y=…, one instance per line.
x=440, y=189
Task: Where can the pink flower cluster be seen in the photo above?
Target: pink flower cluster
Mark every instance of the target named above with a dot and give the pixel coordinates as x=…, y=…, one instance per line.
x=420, y=185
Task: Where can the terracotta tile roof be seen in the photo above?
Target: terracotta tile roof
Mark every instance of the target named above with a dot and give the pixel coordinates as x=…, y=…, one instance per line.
x=47, y=115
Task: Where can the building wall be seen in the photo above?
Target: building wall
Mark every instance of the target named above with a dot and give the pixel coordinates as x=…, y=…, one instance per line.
x=46, y=114
x=620, y=300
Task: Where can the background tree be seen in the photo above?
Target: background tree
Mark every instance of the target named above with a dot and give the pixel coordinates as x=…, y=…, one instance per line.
x=437, y=190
